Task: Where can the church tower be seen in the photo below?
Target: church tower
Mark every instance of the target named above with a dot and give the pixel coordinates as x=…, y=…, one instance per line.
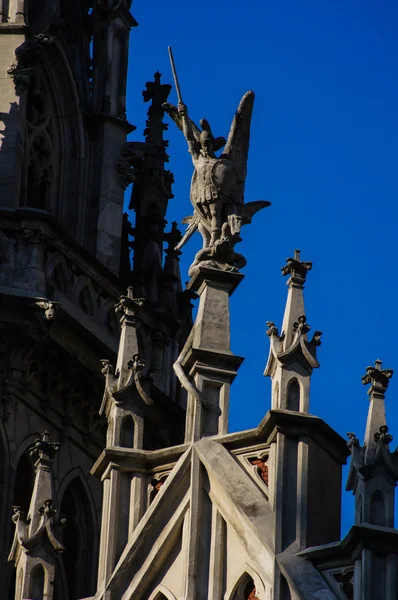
x=65, y=165
x=137, y=490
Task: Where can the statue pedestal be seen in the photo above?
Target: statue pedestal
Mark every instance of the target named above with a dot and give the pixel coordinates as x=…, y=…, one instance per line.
x=209, y=361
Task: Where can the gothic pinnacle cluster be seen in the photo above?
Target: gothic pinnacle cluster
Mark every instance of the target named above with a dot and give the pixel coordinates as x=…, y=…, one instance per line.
x=148, y=495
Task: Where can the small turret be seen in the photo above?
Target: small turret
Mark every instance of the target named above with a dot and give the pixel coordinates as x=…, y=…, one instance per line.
x=37, y=536
x=374, y=469
x=292, y=357
x=372, y=478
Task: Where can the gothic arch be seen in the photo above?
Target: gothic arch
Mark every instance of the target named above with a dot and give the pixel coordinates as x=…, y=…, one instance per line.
x=127, y=432
x=162, y=593
x=248, y=583
x=37, y=580
x=84, y=294
x=55, y=146
x=57, y=273
x=378, y=509
x=293, y=395
x=108, y=316
x=78, y=562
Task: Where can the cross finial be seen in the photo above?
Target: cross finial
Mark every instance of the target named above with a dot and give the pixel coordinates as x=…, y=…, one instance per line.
x=377, y=377
x=42, y=448
x=296, y=268
x=128, y=304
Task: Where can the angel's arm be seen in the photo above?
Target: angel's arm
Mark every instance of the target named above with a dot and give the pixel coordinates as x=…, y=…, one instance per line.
x=187, y=129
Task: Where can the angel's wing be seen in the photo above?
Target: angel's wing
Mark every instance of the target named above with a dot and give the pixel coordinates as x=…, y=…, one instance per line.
x=237, y=147
x=172, y=111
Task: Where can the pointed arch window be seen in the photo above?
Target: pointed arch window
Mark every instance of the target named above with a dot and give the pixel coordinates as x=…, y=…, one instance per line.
x=377, y=510
x=127, y=432
x=245, y=589
x=86, y=301
x=36, y=588
x=293, y=395
x=78, y=541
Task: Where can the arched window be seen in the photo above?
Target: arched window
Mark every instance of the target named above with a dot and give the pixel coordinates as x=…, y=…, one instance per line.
x=78, y=541
x=245, y=589
x=36, y=588
x=249, y=592
x=127, y=433
x=85, y=301
x=293, y=395
x=377, y=510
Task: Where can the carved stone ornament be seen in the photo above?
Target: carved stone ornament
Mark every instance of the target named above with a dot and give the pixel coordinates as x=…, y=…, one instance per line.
x=353, y=441
x=377, y=377
x=26, y=55
x=217, y=188
x=136, y=366
x=382, y=436
x=296, y=268
x=43, y=448
x=128, y=303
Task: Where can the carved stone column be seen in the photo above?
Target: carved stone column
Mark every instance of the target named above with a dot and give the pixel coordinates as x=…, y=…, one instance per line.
x=207, y=359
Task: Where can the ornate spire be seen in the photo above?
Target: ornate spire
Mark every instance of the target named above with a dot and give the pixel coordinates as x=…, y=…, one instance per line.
x=379, y=379
x=28, y=550
x=158, y=93
x=292, y=345
x=129, y=364
x=294, y=310
x=374, y=469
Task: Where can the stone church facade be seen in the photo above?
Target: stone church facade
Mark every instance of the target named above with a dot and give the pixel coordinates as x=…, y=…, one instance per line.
x=115, y=483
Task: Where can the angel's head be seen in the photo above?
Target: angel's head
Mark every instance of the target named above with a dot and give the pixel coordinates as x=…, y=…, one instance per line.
x=207, y=143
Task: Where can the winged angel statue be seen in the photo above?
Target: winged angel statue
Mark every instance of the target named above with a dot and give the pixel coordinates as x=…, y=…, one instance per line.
x=217, y=187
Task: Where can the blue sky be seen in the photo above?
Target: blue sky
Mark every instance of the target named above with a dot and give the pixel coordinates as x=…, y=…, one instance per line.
x=323, y=151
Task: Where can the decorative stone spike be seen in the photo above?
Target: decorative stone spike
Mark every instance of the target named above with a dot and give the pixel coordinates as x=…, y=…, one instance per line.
x=292, y=356
x=37, y=538
x=378, y=379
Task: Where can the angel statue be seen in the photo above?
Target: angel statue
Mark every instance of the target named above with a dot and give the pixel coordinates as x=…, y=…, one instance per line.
x=217, y=187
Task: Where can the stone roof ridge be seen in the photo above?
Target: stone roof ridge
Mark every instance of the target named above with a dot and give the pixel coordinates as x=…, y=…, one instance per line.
x=293, y=339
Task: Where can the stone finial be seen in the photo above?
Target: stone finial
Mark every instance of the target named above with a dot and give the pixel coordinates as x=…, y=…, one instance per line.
x=377, y=377
x=42, y=448
x=382, y=436
x=158, y=93
x=296, y=268
x=128, y=305
x=172, y=238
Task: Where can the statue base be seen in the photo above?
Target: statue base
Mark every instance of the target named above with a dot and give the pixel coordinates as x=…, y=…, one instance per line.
x=209, y=362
